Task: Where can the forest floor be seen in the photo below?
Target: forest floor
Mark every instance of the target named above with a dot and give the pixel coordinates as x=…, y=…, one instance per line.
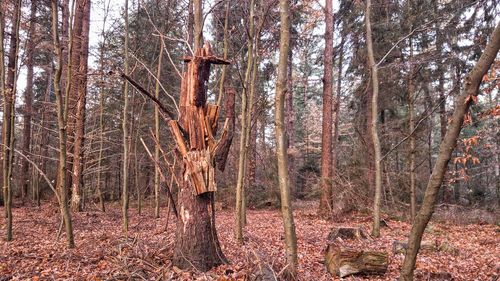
x=103, y=253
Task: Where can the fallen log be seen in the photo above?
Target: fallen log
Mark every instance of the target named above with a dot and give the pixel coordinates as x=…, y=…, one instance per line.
x=400, y=247
x=346, y=233
x=345, y=262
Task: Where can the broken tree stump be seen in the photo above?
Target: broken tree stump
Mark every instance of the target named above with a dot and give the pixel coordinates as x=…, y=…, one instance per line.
x=346, y=233
x=345, y=262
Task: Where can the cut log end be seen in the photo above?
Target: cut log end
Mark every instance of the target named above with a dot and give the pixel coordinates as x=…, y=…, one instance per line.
x=345, y=262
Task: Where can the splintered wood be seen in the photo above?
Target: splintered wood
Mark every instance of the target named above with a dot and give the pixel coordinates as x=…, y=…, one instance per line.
x=196, y=128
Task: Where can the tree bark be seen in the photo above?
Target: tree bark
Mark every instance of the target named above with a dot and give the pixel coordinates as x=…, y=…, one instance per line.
x=3, y=89
x=61, y=123
x=81, y=96
x=28, y=101
x=464, y=101
x=242, y=163
x=125, y=130
x=281, y=151
x=198, y=23
x=157, y=134
x=326, y=200
x=9, y=94
x=101, y=111
x=374, y=123
x=222, y=84
x=290, y=123
x=336, y=130
x=411, y=150
x=196, y=242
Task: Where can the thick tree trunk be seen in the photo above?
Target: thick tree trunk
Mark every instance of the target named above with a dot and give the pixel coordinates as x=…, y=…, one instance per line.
x=281, y=150
x=196, y=242
x=464, y=101
x=81, y=96
x=9, y=95
x=73, y=77
x=374, y=123
x=326, y=200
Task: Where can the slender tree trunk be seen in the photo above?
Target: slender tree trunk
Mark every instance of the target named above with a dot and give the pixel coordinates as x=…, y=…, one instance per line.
x=240, y=182
x=336, y=109
x=464, y=101
x=9, y=95
x=225, y=54
x=443, y=120
x=411, y=127
x=136, y=162
x=101, y=111
x=198, y=23
x=125, y=131
x=290, y=124
x=72, y=89
x=325, y=203
x=28, y=100
x=374, y=123
x=157, y=135
x=81, y=95
x=3, y=89
x=61, y=122
x=281, y=151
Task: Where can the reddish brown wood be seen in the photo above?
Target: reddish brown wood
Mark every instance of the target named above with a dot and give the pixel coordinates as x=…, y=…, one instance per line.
x=197, y=245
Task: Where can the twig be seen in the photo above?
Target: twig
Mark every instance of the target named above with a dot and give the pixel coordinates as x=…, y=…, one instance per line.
x=143, y=91
x=157, y=80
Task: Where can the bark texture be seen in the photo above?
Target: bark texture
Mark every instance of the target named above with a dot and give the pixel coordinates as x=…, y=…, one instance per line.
x=80, y=93
x=9, y=95
x=62, y=118
x=125, y=163
x=28, y=100
x=196, y=242
x=281, y=148
x=374, y=123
